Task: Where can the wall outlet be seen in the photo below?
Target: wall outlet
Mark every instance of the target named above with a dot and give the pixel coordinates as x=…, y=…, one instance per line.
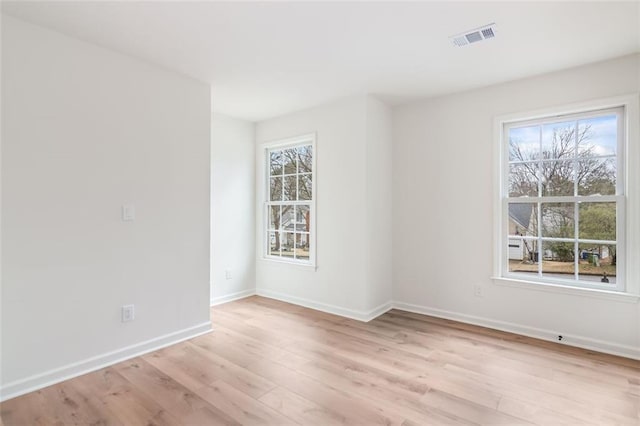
x=477, y=290
x=128, y=313
x=128, y=213
x=227, y=274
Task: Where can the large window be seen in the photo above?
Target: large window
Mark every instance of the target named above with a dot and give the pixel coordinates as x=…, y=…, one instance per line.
x=563, y=200
x=290, y=207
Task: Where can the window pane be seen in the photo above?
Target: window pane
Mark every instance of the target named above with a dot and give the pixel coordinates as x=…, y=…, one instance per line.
x=523, y=219
x=305, y=159
x=557, y=178
x=302, y=246
x=304, y=187
x=597, y=263
x=597, y=176
x=275, y=189
x=598, y=136
x=286, y=220
x=303, y=218
x=523, y=255
x=274, y=218
x=274, y=244
x=275, y=163
x=522, y=250
x=523, y=180
x=290, y=161
x=597, y=221
x=290, y=187
x=287, y=244
x=558, y=220
x=558, y=140
x=524, y=143
x=558, y=260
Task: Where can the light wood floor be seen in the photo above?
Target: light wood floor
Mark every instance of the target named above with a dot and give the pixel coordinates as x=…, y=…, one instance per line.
x=269, y=362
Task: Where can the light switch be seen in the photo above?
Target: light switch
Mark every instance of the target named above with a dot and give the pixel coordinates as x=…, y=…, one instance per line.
x=128, y=212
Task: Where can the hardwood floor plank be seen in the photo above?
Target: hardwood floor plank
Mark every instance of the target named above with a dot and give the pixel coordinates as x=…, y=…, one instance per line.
x=354, y=408
x=73, y=407
x=242, y=351
x=208, y=416
x=28, y=410
x=403, y=399
x=238, y=377
x=127, y=403
x=612, y=401
x=536, y=413
x=542, y=398
x=239, y=326
x=255, y=348
x=469, y=410
x=194, y=367
x=178, y=400
x=301, y=409
x=240, y=406
x=183, y=366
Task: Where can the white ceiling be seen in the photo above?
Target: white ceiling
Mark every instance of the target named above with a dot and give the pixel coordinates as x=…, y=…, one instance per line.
x=265, y=59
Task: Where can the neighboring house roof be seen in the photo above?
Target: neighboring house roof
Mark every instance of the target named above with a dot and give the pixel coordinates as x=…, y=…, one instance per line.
x=521, y=213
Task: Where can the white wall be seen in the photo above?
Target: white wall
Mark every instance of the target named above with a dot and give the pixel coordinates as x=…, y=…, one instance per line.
x=443, y=205
x=338, y=283
x=85, y=130
x=353, y=208
x=232, y=208
x=379, y=279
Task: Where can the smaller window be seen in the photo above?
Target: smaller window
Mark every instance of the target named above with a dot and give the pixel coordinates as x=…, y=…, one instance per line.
x=289, y=201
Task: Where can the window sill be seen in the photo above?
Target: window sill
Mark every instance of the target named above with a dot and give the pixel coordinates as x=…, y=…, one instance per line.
x=562, y=289
x=286, y=263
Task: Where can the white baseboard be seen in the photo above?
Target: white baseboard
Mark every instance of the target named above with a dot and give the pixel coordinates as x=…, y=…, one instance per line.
x=233, y=296
x=376, y=312
x=324, y=307
x=538, y=333
x=51, y=377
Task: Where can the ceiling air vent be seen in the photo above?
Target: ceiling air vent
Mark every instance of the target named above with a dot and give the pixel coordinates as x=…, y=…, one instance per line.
x=475, y=35
x=488, y=33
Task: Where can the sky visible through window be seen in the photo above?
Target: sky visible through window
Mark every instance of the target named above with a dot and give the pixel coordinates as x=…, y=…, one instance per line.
x=603, y=135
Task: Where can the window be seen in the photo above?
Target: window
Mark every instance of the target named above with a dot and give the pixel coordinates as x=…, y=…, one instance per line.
x=290, y=201
x=563, y=199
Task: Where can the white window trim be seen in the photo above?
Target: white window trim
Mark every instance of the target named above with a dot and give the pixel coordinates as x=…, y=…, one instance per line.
x=630, y=270
x=307, y=139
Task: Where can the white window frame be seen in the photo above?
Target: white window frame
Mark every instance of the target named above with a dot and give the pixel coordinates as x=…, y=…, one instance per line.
x=266, y=148
x=627, y=197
